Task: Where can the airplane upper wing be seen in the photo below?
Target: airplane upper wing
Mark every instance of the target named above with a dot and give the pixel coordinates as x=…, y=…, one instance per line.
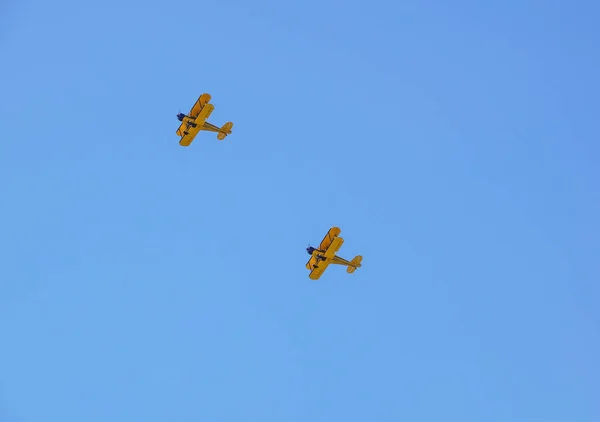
x=329, y=237
x=199, y=120
x=199, y=105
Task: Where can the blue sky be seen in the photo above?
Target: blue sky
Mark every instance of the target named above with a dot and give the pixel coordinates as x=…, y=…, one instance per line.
x=454, y=143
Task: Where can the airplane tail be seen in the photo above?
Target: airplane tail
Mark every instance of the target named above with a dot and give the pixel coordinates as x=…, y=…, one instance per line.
x=354, y=264
x=225, y=130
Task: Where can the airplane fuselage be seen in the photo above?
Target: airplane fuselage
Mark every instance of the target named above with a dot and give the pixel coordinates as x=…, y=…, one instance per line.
x=331, y=259
x=326, y=254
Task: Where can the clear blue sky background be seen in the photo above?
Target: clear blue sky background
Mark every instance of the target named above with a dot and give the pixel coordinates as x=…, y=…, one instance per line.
x=455, y=144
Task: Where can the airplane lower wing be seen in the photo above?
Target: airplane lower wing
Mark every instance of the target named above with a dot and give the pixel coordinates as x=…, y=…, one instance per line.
x=199, y=121
x=325, y=255
x=182, y=128
x=311, y=263
x=186, y=140
x=315, y=273
x=317, y=266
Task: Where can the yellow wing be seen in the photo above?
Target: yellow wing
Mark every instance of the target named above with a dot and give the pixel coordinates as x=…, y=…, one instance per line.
x=332, y=249
x=186, y=139
x=311, y=263
x=199, y=105
x=329, y=237
x=315, y=273
x=330, y=244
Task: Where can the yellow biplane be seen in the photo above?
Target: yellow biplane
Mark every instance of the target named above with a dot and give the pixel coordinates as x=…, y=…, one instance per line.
x=325, y=255
x=196, y=121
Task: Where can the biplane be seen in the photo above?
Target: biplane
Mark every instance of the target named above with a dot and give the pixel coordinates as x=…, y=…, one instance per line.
x=325, y=255
x=197, y=120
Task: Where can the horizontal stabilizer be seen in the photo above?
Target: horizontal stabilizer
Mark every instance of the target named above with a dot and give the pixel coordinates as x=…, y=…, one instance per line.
x=354, y=264
x=225, y=130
